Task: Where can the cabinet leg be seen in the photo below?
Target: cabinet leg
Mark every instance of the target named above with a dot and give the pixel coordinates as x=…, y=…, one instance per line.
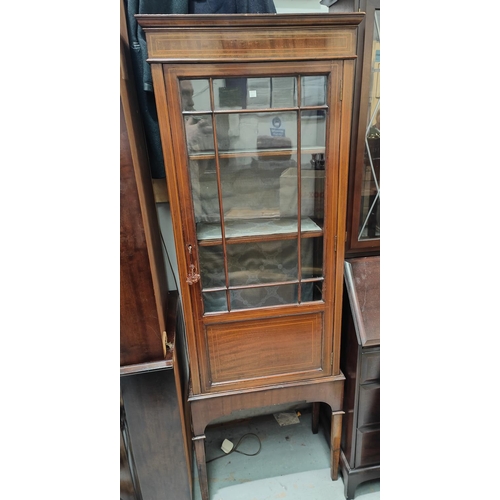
x=335, y=436
x=199, y=450
x=315, y=417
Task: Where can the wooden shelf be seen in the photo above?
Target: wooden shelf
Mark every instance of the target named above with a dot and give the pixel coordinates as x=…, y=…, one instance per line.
x=251, y=228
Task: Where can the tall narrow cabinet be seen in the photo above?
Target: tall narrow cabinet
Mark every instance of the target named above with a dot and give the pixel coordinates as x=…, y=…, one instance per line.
x=255, y=116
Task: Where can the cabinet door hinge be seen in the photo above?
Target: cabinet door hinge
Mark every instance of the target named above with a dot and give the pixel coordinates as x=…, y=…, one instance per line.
x=335, y=244
x=331, y=359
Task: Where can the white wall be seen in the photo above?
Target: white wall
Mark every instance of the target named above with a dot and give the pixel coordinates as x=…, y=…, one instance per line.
x=292, y=6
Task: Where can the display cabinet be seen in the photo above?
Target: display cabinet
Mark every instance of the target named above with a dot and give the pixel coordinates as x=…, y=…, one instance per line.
x=363, y=208
x=360, y=362
x=255, y=116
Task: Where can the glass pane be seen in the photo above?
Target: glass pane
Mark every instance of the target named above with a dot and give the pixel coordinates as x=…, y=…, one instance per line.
x=312, y=257
x=199, y=134
x=251, y=189
x=314, y=129
x=255, y=93
x=204, y=190
x=312, y=196
x=263, y=296
x=212, y=266
x=312, y=291
x=195, y=95
x=313, y=91
x=261, y=135
x=369, y=224
x=264, y=262
x=215, y=302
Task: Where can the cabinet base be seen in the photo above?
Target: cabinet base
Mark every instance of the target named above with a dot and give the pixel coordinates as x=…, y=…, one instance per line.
x=207, y=407
x=354, y=477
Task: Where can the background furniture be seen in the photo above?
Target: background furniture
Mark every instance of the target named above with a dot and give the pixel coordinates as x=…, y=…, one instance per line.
x=363, y=208
x=255, y=115
x=360, y=362
x=153, y=425
x=152, y=383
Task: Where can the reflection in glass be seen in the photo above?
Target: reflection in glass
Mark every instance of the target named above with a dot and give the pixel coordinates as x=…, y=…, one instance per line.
x=268, y=296
x=313, y=129
x=251, y=188
x=204, y=190
x=256, y=171
x=264, y=262
x=269, y=133
x=195, y=95
x=312, y=194
x=312, y=257
x=312, y=291
x=215, y=302
x=369, y=224
x=199, y=133
x=255, y=93
x=212, y=266
x=313, y=90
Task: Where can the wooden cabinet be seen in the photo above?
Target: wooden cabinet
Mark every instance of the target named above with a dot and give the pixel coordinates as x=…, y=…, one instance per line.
x=151, y=385
x=364, y=183
x=360, y=362
x=363, y=208
x=255, y=116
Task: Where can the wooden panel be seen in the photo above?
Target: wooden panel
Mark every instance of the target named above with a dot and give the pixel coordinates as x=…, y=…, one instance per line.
x=155, y=429
x=370, y=367
x=140, y=333
x=362, y=279
x=262, y=348
x=277, y=44
x=369, y=404
x=368, y=446
x=349, y=363
x=143, y=282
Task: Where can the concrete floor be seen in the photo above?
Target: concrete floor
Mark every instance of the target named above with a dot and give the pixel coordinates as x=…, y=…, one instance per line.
x=293, y=463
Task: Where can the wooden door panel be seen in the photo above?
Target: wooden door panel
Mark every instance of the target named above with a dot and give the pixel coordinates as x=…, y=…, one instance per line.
x=278, y=347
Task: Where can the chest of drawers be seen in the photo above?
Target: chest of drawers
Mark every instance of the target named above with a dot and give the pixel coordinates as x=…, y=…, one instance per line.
x=360, y=363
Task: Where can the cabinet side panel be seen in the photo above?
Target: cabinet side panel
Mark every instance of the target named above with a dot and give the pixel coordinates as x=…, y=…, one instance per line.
x=263, y=348
x=349, y=366
x=140, y=333
x=154, y=422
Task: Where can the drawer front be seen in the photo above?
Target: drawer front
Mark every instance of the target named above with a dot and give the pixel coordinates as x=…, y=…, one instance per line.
x=367, y=446
x=369, y=405
x=370, y=366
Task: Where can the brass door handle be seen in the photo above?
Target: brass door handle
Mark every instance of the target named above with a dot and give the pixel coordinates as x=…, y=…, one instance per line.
x=192, y=276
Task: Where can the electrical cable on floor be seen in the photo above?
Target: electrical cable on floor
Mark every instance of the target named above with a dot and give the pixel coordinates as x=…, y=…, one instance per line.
x=238, y=451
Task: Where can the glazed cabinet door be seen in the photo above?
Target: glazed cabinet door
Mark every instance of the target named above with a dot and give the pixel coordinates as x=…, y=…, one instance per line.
x=256, y=156
x=364, y=223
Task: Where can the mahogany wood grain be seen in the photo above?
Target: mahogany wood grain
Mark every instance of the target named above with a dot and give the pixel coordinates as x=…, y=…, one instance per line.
x=154, y=422
x=335, y=443
x=354, y=247
x=261, y=350
x=265, y=356
x=143, y=283
x=209, y=407
x=360, y=362
x=159, y=22
x=356, y=476
x=140, y=331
